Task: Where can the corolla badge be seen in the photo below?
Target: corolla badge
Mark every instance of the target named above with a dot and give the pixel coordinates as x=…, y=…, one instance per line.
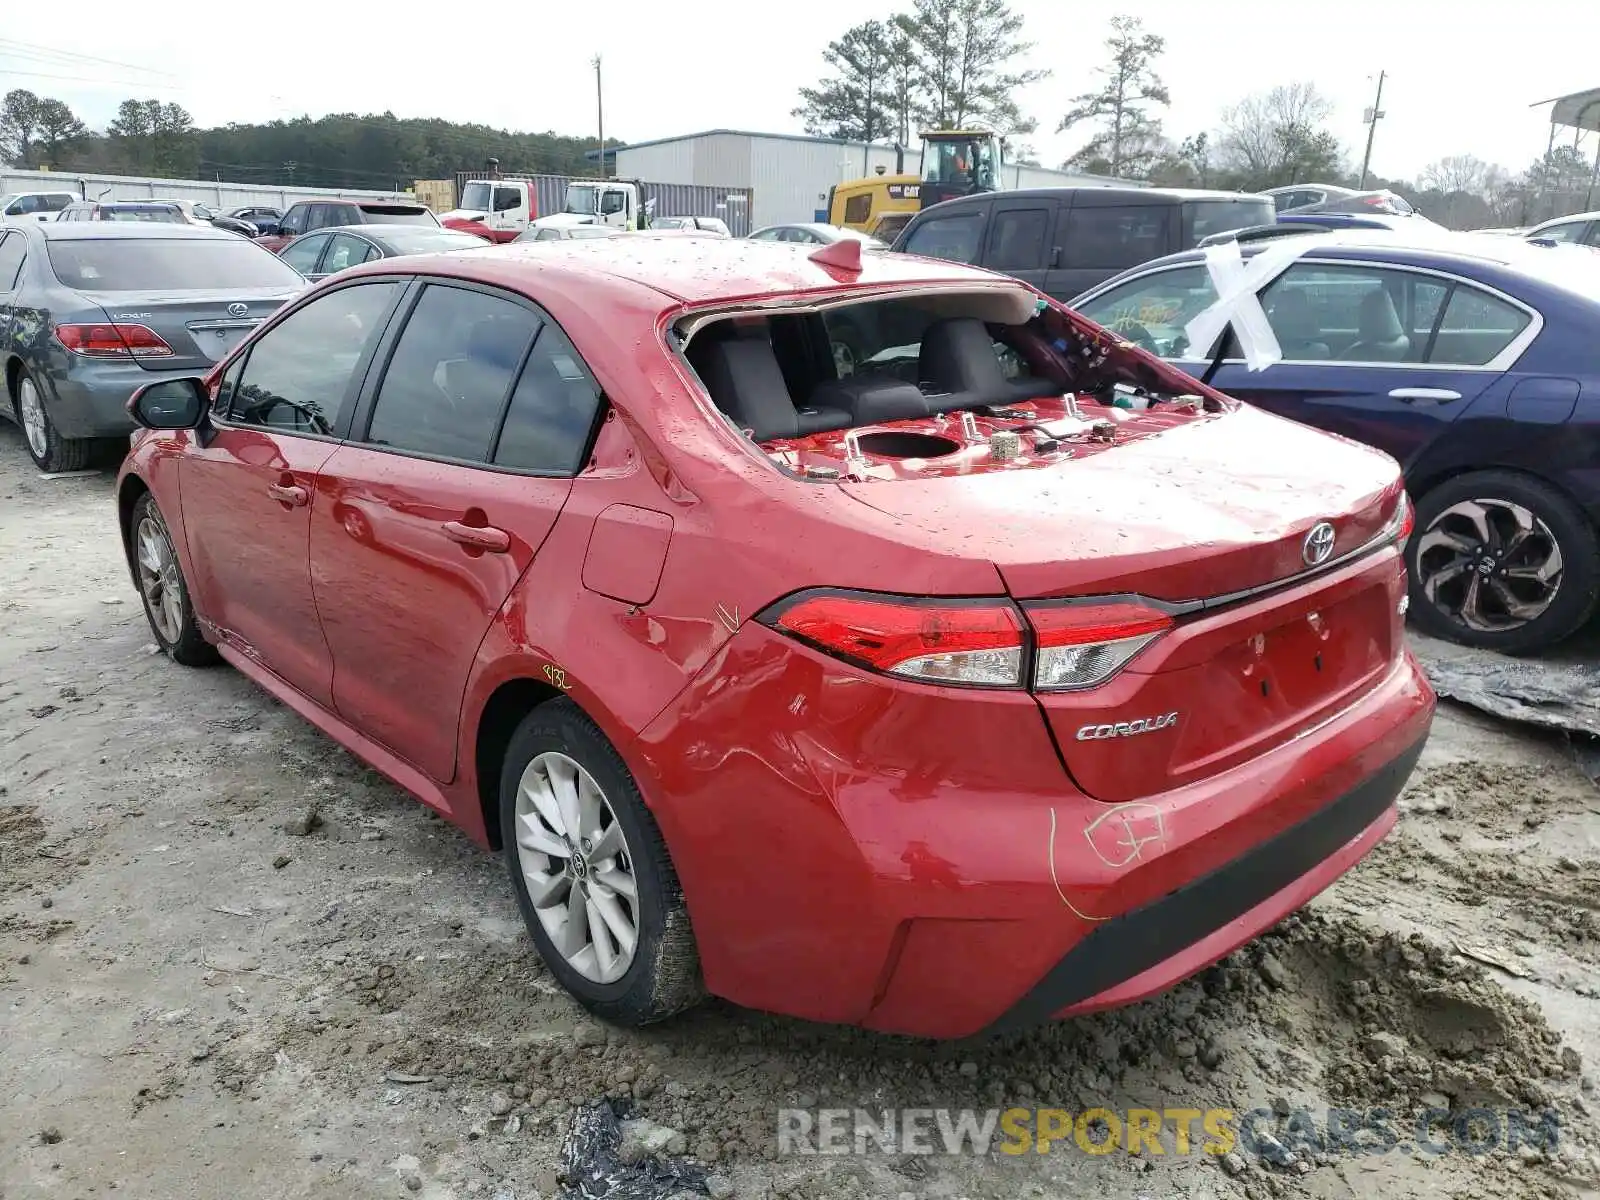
x=1121, y=729
x=238, y=310
x=1318, y=544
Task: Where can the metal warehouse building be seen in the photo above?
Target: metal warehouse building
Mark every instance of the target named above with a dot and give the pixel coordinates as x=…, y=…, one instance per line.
x=788, y=175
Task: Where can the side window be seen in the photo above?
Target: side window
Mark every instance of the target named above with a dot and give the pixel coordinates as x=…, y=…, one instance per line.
x=1476, y=327
x=1017, y=239
x=552, y=409
x=303, y=254
x=13, y=249
x=548, y=235
x=448, y=377
x=1153, y=311
x=228, y=385
x=506, y=199
x=294, y=221
x=57, y=202
x=955, y=238
x=1343, y=314
x=297, y=377
x=858, y=208
x=766, y=235
x=1571, y=231
x=1107, y=238
x=346, y=251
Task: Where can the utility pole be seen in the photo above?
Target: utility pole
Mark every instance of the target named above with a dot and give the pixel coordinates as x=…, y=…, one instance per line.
x=600, y=114
x=1373, y=115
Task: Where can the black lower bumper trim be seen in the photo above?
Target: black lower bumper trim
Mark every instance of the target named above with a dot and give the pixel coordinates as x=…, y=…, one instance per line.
x=1125, y=946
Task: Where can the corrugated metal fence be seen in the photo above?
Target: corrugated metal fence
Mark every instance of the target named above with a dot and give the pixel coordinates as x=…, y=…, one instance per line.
x=128, y=187
x=731, y=205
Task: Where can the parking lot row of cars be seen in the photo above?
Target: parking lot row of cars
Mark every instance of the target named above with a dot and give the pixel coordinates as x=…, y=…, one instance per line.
x=613, y=550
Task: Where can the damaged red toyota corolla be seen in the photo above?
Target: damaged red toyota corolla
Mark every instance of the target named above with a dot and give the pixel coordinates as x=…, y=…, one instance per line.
x=867, y=639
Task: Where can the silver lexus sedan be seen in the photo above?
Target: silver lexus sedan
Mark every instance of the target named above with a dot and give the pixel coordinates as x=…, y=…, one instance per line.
x=91, y=310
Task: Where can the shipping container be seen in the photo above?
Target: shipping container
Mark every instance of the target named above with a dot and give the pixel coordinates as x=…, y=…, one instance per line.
x=731, y=205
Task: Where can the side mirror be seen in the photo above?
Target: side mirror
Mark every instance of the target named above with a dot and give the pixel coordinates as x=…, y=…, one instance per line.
x=169, y=404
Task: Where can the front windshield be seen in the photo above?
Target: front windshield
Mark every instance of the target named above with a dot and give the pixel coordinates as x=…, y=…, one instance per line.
x=961, y=162
x=204, y=213
x=582, y=200
x=476, y=197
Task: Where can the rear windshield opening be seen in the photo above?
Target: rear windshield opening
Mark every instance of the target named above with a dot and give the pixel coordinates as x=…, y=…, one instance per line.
x=161, y=263
x=784, y=375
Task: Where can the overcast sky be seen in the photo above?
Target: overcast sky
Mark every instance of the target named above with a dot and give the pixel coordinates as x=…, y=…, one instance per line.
x=1457, y=82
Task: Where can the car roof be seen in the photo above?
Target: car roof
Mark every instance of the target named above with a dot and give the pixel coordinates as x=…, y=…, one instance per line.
x=1570, y=217
x=689, y=270
x=74, y=231
x=1573, y=268
x=1336, y=188
x=1106, y=195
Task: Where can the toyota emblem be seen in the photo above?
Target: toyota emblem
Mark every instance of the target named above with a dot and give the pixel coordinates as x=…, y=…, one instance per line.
x=1318, y=544
x=238, y=310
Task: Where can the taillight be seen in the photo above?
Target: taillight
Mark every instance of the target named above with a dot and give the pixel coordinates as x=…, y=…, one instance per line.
x=118, y=340
x=1406, y=517
x=974, y=643
x=1083, y=645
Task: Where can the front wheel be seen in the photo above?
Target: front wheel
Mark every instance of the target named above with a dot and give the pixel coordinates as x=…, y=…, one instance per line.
x=49, y=450
x=592, y=875
x=163, y=589
x=1502, y=561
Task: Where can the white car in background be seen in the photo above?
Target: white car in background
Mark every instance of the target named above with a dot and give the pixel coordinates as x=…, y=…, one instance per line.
x=34, y=206
x=693, y=224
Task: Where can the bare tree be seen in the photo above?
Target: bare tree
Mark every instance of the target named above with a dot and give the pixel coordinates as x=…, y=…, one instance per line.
x=1130, y=140
x=19, y=122
x=1279, y=137
x=1457, y=173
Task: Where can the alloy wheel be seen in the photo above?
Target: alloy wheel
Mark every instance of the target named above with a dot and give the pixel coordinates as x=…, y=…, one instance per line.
x=34, y=423
x=577, y=867
x=158, y=579
x=1489, y=565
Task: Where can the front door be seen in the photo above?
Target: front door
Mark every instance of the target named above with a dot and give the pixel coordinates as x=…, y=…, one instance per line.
x=425, y=522
x=249, y=491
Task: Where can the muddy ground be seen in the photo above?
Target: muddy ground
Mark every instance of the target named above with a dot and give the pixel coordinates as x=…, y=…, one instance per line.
x=194, y=1002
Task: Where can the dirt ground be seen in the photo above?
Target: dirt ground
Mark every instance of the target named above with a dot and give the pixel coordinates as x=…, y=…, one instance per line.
x=195, y=1002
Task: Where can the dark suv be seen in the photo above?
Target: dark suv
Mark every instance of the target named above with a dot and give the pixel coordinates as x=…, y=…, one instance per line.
x=1064, y=240
x=321, y=214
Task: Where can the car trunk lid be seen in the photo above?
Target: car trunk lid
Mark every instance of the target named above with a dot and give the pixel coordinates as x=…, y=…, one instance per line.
x=1259, y=540
x=200, y=327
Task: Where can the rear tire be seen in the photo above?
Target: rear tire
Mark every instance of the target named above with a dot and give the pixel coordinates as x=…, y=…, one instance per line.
x=557, y=742
x=163, y=589
x=1502, y=561
x=49, y=450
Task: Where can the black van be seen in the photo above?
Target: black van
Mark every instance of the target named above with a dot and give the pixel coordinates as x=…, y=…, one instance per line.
x=1065, y=240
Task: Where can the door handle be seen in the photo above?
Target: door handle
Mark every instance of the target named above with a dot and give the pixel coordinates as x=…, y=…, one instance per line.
x=1421, y=395
x=289, y=493
x=479, y=537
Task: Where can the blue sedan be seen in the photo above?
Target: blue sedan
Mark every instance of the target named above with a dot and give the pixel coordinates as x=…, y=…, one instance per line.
x=1471, y=360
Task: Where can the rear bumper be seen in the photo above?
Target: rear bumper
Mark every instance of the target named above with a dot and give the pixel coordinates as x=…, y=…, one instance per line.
x=1152, y=947
x=90, y=399
x=913, y=859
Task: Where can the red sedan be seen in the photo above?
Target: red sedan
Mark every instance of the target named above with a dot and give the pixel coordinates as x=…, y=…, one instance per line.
x=863, y=638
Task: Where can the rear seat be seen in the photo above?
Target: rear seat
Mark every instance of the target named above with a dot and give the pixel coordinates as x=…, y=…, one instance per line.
x=744, y=380
x=959, y=369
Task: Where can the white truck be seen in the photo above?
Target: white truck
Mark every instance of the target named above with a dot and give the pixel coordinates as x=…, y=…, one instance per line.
x=500, y=209
x=620, y=203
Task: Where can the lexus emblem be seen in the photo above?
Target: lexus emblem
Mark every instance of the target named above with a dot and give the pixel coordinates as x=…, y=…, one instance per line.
x=238, y=310
x=1318, y=544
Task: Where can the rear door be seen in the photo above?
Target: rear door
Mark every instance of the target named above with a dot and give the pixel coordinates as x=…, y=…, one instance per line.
x=1020, y=241
x=1385, y=356
x=305, y=254
x=458, y=466
x=249, y=489
x=1104, y=238
x=13, y=250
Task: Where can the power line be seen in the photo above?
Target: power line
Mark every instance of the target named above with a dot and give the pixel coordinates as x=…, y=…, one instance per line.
x=36, y=49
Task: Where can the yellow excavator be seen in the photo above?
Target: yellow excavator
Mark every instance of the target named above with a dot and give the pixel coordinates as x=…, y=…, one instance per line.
x=955, y=162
